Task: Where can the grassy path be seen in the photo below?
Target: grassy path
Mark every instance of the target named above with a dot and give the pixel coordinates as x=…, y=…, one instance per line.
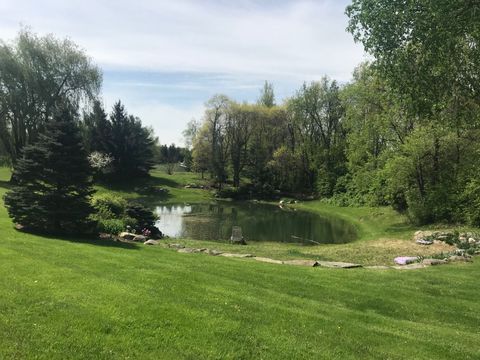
x=62, y=299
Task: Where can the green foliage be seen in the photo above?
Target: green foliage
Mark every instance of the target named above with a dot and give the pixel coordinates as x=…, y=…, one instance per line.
x=267, y=95
x=123, y=137
x=144, y=217
x=109, y=206
x=112, y=214
x=36, y=75
x=52, y=181
x=111, y=226
x=470, y=199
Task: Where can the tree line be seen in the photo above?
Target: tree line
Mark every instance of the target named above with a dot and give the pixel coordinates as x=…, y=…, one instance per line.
x=403, y=132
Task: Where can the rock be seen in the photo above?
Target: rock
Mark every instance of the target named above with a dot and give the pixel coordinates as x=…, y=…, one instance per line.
x=268, y=260
x=433, y=262
x=309, y=263
x=457, y=258
x=200, y=250
x=338, y=264
x=236, y=255
x=186, y=250
x=214, y=252
x=405, y=260
x=140, y=238
x=424, y=242
x=151, y=242
x=410, y=267
x=19, y=227
x=471, y=240
x=176, y=246
x=126, y=236
x=377, y=267
x=237, y=237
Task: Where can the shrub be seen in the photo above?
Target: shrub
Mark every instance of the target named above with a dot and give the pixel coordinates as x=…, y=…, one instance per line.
x=110, y=206
x=111, y=226
x=144, y=217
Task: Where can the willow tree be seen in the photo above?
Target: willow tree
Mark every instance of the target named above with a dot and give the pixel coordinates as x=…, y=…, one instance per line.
x=36, y=74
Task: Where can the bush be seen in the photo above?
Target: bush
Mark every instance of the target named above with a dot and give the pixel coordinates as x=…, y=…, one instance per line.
x=111, y=226
x=109, y=206
x=143, y=216
x=471, y=202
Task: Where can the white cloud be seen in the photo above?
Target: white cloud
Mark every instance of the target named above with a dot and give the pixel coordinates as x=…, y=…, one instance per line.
x=234, y=45
x=297, y=39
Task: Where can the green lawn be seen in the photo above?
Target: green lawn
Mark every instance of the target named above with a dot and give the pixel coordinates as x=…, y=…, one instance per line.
x=85, y=299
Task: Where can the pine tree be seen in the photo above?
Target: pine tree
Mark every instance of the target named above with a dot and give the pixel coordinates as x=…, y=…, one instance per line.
x=52, y=188
x=131, y=144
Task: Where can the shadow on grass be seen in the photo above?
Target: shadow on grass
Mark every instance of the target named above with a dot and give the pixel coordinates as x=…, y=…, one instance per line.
x=4, y=184
x=84, y=240
x=399, y=228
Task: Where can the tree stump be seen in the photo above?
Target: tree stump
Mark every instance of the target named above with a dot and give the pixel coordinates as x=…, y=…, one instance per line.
x=237, y=237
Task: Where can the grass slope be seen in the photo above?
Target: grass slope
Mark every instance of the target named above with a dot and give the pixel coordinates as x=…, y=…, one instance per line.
x=63, y=299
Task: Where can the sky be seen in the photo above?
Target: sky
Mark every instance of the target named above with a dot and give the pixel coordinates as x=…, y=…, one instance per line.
x=165, y=59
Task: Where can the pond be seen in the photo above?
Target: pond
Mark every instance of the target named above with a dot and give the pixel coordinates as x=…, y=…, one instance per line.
x=259, y=222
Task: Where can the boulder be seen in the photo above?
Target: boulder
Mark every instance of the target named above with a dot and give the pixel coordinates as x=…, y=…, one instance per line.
x=423, y=237
x=214, y=252
x=338, y=264
x=236, y=255
x=410, y=267
x=126, y=236
x=405, y=260
x=424, y=242
x=268, y=260
x=457, y=258
x=186, y=250
x=151, y=242
x=176, y=246
x=19, y=227
x=433, y=262
x=309, y=263
x=140, y=238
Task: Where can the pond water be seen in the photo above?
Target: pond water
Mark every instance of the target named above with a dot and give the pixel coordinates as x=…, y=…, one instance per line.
x=259, y=222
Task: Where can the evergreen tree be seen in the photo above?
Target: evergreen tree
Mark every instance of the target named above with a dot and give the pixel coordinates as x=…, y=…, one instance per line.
x=98, y=130
x=52, y=188
x=131, y=145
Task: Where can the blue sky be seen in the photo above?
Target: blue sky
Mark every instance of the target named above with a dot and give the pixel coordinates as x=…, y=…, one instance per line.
x=164, y=59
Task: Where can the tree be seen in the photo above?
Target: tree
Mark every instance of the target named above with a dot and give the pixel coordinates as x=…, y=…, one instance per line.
x=239, y=123
x=121, y=138
x=53, y=185
x=190, y=132
x=267, y=96
x=427, y=55
x=97, y=130
x=316, y=112
x=215, y=116
x=201, y=151
x=36, y=75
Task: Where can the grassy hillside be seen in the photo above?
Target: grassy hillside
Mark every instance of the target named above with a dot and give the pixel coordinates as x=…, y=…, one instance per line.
x=72, y=299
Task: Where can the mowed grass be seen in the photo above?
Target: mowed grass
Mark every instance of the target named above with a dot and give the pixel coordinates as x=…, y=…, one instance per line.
x=85, y=299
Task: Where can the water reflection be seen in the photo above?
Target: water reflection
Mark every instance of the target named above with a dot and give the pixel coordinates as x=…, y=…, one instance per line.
x=259, y=222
